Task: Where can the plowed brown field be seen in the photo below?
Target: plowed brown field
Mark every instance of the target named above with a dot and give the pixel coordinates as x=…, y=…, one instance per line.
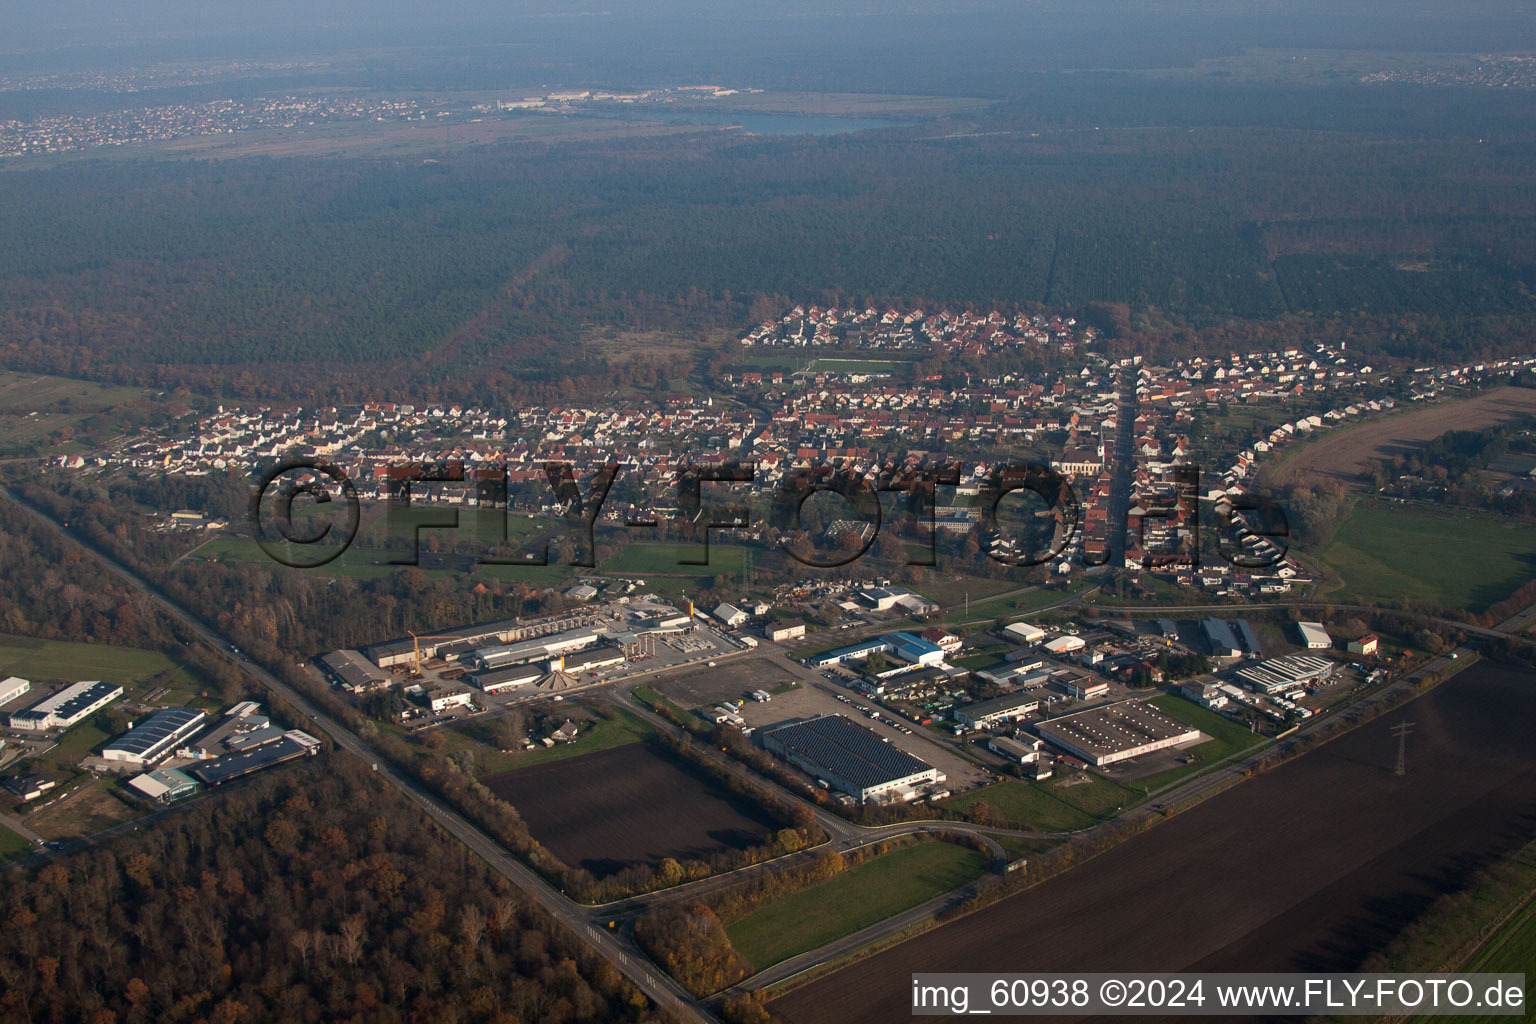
x=1344, y=453
x=1310, y=867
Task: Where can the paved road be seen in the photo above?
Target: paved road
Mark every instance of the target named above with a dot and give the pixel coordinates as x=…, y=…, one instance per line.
x=16, y=826
x=617, y=949
x=1124, y=466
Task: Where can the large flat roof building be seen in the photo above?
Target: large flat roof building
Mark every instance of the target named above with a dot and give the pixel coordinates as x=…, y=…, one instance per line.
x=12, y=687
x=906, y=646
x=293, y=744
x=353, y=672
x=850, y=758
x=1115, y=732
x=1285, y=673
x=68, y=707
x=1024, y=632
x=998, y=709
x=154, y=737
x=499, y=680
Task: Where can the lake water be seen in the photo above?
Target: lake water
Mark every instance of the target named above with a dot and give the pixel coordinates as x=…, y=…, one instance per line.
x=761, y=124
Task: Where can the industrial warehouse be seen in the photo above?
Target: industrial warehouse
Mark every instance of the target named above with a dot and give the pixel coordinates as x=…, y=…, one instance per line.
x=1006, y=708
x=287, y=746
x=68, y=707
x=1117, y=732
x=12, y=687
x=156, y=736
x=1289, y=673
x=352, y=672
x=850, y=759
x=913, y=650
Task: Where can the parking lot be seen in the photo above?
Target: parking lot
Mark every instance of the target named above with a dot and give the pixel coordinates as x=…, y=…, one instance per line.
x=813, y=695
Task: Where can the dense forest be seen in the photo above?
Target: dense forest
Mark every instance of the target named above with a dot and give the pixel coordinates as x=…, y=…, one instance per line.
x=305, y=895
x=1401, y=219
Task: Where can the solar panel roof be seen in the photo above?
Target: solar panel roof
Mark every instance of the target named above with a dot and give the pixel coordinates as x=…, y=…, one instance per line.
x=848, y=750
x=158, y=729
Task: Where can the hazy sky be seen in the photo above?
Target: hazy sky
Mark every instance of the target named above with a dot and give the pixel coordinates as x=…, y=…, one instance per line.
x=79, y=32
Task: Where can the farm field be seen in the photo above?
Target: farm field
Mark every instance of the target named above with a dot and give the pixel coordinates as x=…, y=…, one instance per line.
x=1326, y=858
x=855, y=899
x=627, y=805
x=948, y=590
x=1342, y=453
x=1384, y=551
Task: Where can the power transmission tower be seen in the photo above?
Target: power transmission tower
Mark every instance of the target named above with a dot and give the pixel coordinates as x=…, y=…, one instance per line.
x=1401, y=731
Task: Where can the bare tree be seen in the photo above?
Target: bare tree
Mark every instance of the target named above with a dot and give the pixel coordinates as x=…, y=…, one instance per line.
x=349, y=944
x=302, y=942
x=472, y=926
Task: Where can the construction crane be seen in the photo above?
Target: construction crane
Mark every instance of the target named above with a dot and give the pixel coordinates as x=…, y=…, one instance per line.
x=416, y=640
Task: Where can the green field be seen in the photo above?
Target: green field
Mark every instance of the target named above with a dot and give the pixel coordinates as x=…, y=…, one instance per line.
x=32, y=406
x=622, y=728
x=855, y=899
x=1021, y=846
x=64, y=661
x=1005, y=607
x=652, y=559
x=1511, y=950
x=1227, y=738
x=1388, y=552
x=1098, y=796
x=894, y=367
x=1031, y=805
x=977, y=662
x=12, y=845
x=949, y=590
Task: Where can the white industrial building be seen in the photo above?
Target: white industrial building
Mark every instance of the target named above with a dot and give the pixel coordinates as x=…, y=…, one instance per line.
x=156, y=736
x=68, y=707
x=1065, y=644
x=1116, y=732
x=12, y=687
x=850, y=759
x=501, y=680
x=1279, y=674
x=1314, y=636
x=1024, y=632
x=442, y=700
x=789, y=629
x=729, y=614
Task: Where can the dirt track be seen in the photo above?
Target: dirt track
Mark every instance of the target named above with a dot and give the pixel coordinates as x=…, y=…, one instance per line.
x=1307, y=868
x=1343, y=453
